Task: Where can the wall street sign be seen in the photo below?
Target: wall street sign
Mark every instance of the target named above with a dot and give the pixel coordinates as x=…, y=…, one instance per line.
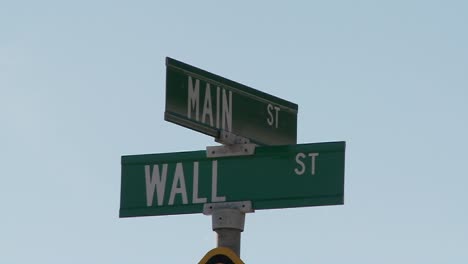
x=274, y=177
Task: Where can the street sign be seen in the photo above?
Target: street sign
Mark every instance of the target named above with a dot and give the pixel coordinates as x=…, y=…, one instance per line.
x=273, y=177
x=209, y=103
x=221, y=255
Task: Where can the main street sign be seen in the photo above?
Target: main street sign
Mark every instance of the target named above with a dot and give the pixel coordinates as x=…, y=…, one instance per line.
x=209, y=103
x=274, y=177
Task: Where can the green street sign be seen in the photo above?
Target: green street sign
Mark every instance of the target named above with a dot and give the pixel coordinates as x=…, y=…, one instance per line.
x=273, y=177
x=209, y=103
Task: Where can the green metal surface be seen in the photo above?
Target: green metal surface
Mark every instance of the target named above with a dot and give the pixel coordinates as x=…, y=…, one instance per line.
x=208, y=103
x=274, y=177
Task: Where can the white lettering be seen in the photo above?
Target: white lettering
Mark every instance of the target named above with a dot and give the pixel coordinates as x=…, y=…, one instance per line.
x=195, y=198
x=214, y=184
x=227, y=112
x=157, y=180
x=277, y=111
x=193, y=102
x=207, y=105
x=178, y=185
x=300, y=163
x=270, y=114
x=270, y=119
x=223, y=105
x=312, y=157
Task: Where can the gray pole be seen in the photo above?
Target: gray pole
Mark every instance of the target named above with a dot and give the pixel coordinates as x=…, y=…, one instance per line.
x=228, y=219
x=228, y=223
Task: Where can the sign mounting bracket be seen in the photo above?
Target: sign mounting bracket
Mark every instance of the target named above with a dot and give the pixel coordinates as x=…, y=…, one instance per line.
x=233, y=145
x=228, y=221
x=244, y=207
x=229, y=138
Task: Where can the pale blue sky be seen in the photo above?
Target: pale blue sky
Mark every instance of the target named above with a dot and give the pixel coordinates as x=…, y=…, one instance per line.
x=82, y=83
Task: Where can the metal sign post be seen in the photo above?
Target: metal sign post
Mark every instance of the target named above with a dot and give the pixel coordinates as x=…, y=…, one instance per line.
x=228, y=219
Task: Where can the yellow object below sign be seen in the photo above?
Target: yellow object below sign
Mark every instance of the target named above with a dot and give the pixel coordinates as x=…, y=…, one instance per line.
x=221, y=255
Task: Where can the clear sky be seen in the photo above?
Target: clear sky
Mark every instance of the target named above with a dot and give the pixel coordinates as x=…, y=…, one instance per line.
x=83, y=83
